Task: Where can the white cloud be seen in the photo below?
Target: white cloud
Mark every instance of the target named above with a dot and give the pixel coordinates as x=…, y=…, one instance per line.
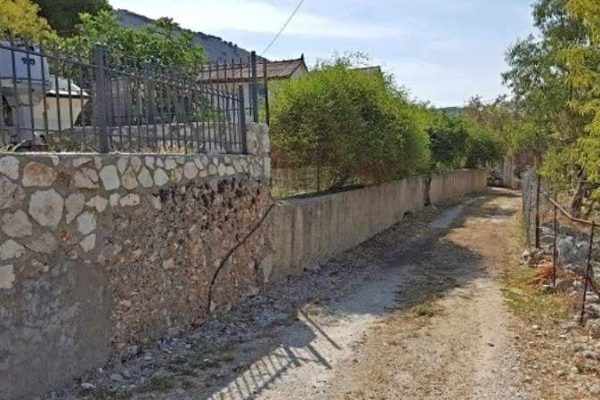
x=254, y=16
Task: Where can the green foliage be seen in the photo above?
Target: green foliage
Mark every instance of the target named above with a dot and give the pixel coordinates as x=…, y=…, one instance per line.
x=459, y=142
x=20, y=19
x=162, y=43
x=584, y=61
x=63, y=15
x=355, y=124
x=539, y=77
x=483, y=149
x=448, y=136
x=554, y=78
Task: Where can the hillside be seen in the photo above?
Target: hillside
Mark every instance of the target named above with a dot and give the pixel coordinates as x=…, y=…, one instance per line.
x=215, y=47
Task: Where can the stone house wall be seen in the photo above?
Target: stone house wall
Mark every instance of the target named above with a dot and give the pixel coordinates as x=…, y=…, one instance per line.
x=99, y=252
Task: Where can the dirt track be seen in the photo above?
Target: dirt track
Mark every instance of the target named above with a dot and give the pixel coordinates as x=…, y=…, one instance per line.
x=415, y=313
x=430, y=323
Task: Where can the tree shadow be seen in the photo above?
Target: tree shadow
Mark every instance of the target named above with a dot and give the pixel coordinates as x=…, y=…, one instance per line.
x=418, y=270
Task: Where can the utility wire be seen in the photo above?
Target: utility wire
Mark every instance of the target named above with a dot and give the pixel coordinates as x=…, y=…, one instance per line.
x=287, y=22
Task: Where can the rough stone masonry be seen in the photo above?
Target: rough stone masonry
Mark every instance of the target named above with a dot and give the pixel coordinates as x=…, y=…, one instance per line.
x=99, y=252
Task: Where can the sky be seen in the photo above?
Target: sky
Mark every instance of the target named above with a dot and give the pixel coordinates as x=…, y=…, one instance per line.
x=442, y=51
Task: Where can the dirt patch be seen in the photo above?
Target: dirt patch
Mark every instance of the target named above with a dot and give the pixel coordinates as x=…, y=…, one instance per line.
x=561, y=359
x=459, y=343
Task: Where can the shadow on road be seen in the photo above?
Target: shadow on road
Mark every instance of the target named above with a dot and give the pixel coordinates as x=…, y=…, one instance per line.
x=418, y=267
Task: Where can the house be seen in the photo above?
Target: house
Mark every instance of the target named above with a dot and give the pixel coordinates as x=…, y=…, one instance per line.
x=375, y=70
x=231, y=76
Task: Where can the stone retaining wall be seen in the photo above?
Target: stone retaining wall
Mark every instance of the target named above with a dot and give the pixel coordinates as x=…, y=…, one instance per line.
x=99, y=252
x=309, y=231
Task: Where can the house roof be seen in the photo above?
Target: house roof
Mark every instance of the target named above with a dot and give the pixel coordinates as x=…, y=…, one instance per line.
x=376, y=69
x=281, y=69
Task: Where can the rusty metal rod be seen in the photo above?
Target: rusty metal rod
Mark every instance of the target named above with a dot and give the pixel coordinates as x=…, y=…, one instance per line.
x=588, y=278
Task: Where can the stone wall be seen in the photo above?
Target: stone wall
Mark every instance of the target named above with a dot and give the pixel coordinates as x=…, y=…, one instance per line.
x=309, y=231
x=99, y=252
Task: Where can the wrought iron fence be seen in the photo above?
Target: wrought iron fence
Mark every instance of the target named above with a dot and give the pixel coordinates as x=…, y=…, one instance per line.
x=60, y=102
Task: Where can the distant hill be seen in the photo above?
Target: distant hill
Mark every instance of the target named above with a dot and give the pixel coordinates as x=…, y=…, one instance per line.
x=214, y=47
x=452, y=111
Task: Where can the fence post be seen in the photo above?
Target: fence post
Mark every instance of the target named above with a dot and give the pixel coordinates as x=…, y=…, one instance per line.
x=266, y=83
x=101, y=98
x=253, y=89
x=243, y=120
x=588, y=273
x=554, y=247
x=537, y=211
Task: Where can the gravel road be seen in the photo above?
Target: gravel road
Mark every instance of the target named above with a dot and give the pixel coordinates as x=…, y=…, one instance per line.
x=429, y=323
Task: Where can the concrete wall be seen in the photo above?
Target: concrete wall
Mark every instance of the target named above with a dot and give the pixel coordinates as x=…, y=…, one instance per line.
x=99, y=252
x=453, y=185
x=306, y=232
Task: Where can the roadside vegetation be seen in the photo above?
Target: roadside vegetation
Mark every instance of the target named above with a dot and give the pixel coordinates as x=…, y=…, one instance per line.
x=554, y=78
x=75, y=27
x=355, y=127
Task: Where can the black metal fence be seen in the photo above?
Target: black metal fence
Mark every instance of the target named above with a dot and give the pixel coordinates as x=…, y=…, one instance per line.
x=547, y=223
x=60, y=102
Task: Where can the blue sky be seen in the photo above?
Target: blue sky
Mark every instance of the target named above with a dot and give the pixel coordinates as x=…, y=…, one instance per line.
x=443, y=51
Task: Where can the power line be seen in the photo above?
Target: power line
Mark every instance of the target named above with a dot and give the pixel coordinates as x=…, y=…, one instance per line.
x=287, y=22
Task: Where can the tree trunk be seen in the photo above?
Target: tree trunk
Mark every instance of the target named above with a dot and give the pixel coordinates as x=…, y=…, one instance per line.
x=579, y=195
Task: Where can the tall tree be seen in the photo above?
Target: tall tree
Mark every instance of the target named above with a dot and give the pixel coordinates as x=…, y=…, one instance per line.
x=584, y=61
x=20, y=19
x=540, y=78
x=63, y=15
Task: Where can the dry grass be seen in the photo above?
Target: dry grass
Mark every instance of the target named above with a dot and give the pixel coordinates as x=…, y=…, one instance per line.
x=523, y=287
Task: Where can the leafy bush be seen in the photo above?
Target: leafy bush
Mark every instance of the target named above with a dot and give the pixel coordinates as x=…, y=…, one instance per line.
x=482, y=149
x=448, y=136
x=351, y=122
x=459, y=142
x=160, y=43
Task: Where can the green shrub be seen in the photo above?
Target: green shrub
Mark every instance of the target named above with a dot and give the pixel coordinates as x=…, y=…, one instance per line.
x=459, y=142
x=351, y=122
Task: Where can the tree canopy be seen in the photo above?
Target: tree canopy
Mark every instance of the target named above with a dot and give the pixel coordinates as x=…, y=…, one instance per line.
x=63, y=15
x=161, y=43
x=553, y=77
x=350, y=122
x=21, y=19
